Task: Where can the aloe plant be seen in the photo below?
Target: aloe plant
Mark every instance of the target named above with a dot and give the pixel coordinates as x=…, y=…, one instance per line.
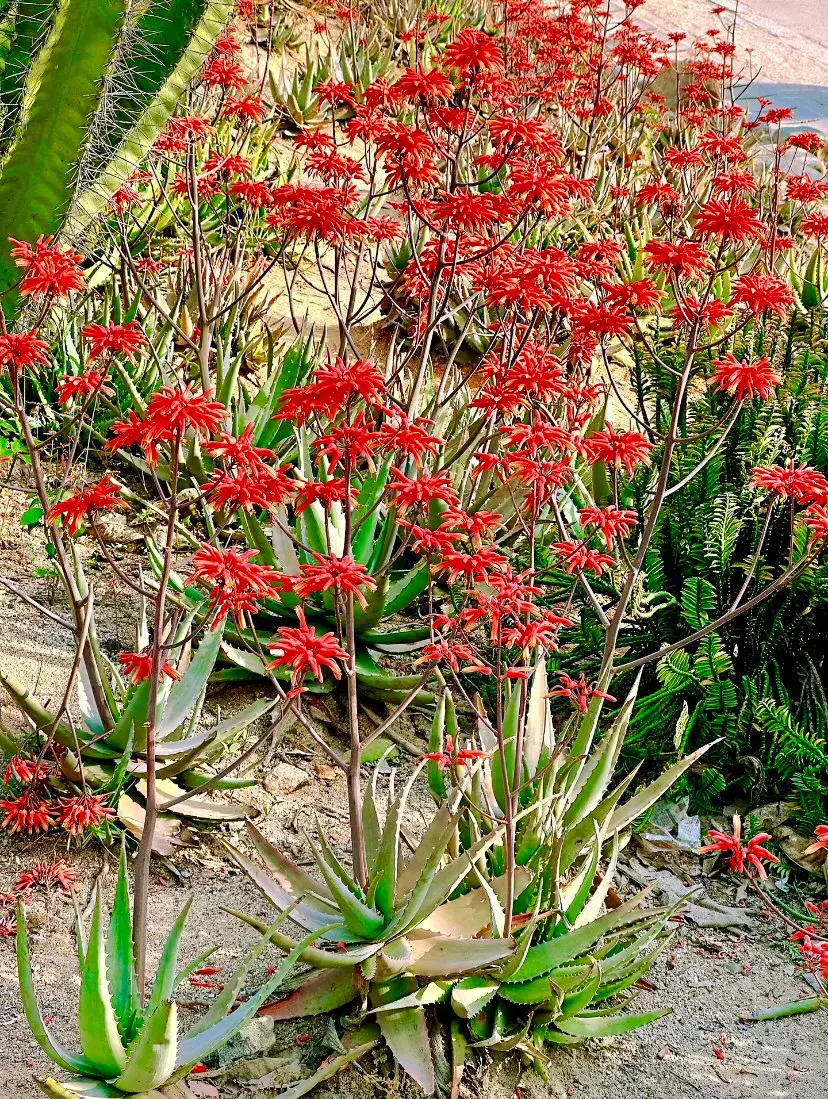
x=401, y=944
x=111, y=743
x=576, y=958
x=82, y=107
x=129, y=1046
x=513, y=965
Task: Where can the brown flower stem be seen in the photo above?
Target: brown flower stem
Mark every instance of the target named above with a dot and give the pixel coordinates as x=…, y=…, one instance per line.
x=142, y=862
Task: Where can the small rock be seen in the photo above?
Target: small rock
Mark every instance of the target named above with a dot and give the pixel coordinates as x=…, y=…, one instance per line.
x=324, y=771
x=285, y=778
x=116, y=531
x=252, y=1039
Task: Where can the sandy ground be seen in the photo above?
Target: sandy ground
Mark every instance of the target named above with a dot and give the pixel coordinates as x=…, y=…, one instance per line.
x=709, y=978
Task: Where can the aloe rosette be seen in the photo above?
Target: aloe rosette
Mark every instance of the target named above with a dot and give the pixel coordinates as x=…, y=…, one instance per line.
x=400, y=944
x=580, y=950
x=129, y=1047
x=112, y=740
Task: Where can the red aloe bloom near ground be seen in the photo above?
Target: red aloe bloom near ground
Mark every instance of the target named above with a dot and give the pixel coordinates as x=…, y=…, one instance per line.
x=44, y=876
x=304, y=650
x=84, y=503
x=77, y=814
x=28, y=813
x=25, y=771
x=745, y=380
x=743, y=855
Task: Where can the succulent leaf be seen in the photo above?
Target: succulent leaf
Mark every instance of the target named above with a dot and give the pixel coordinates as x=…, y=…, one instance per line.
x=97, y=1023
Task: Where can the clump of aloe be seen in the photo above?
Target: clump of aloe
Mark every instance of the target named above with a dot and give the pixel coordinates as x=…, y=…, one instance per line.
x=129, y=1044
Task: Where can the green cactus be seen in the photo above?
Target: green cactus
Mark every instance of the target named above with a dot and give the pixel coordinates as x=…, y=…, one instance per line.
x=85, y=88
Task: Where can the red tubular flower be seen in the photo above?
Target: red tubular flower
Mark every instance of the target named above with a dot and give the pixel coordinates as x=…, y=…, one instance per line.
x=613, y=522
x=423, y=490
x=816, y=519
x=821, y=844
x=224, y=73
x=138, y=666
x=25, y=771
x=239, y=449
x=44, y=877
x=802, y=483
x=28, y=813
x=743, y=856
x=238, y=582
x=579, y=691
x=302, y=649
x=127, y=433
x=578, y=558
x=171, y=412
x=727, y=219
x=75, y=508
x=114, y=339
x=50, y=269
x=20, y=350
x=678, y=258
x=454, y=757
x=419, y=84
x=473, y=567
x=244, y=490
x=618, y=448
x=473, y=50
x=341, y=574
x=745, y=380
x=72, y=386
x=247, y=108
x=77, y=814
x=763, y=294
